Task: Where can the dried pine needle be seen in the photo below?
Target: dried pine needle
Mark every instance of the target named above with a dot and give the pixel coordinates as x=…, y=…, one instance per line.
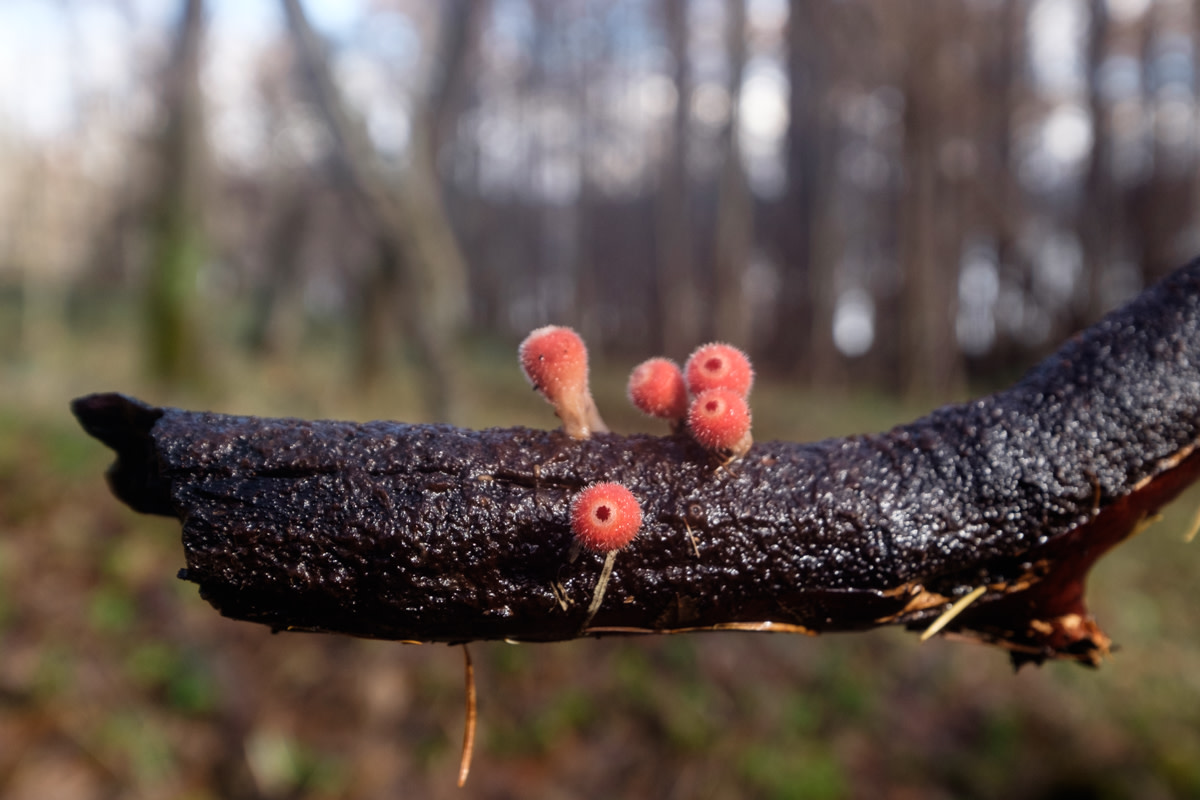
x=601, y=586
x=692, y=538
x=1194, y=528
x=953, y=611
x=468, y=745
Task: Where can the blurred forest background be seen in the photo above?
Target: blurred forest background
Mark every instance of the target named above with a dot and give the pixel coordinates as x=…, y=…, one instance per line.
x=357, y=208
x=901, y=195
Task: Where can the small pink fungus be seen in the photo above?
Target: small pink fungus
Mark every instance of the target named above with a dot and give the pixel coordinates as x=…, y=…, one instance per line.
x=656, y=387
x=719, y=366
x=719, y=420
x=605, y=517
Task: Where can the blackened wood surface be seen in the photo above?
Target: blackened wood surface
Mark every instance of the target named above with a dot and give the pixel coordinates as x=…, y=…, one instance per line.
x=438, y=533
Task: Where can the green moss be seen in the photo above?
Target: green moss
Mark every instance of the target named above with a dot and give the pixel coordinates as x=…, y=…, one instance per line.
x=808, y=772
x=689, y=716
x=283, y=765
x=138, y=740
x=182, y=677
x=803, y=714
x=111, y=609
x=70, y=452
x=6, y=603
x=55, y=674
x=511, y=660
x=564, y=714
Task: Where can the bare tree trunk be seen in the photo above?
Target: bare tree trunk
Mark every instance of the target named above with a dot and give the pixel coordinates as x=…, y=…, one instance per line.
x=376, y=317
x=735, y=215
x=822, y=234
x=25, y=252
x=1195, y=149
x=271, y=331
x=999, y=186
x=460, y=23
x=792, y=346
x=416, y=238
x=588, y=272
x=679, y=300
x=930, y=228
x=1096, y=216
x=1162, y=208
x=177, y=249
x=439, y=262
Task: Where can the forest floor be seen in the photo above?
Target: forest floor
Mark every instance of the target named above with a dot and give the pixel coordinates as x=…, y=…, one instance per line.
x=117, y=680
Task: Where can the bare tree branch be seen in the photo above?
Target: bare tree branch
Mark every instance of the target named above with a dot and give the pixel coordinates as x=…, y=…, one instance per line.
x=422, y=532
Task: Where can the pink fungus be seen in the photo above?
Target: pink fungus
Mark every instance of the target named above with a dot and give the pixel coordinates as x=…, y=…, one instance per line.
x=605, y=517
x=656, y=387
x=555, y=361
x=719, y=366
x=719, y=420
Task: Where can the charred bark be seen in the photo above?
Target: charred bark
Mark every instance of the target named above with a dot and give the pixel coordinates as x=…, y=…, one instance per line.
x=431, y=532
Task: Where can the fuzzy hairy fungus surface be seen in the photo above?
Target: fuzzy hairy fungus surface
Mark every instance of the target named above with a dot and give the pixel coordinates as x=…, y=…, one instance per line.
x=656, y=388
x=605, y=517
x=719, y=420
x=436, y=533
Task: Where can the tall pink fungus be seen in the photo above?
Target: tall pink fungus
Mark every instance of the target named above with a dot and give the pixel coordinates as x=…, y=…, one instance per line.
x=555, y=361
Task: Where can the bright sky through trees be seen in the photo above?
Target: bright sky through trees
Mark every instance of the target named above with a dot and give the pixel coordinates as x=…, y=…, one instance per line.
x=51, y=54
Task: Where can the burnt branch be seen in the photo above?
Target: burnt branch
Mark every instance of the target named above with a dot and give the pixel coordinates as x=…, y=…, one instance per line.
x=436, y=533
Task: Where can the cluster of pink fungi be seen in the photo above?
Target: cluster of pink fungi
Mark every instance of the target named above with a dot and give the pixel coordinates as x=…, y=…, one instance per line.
x=707, y=397
x=706, y=400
